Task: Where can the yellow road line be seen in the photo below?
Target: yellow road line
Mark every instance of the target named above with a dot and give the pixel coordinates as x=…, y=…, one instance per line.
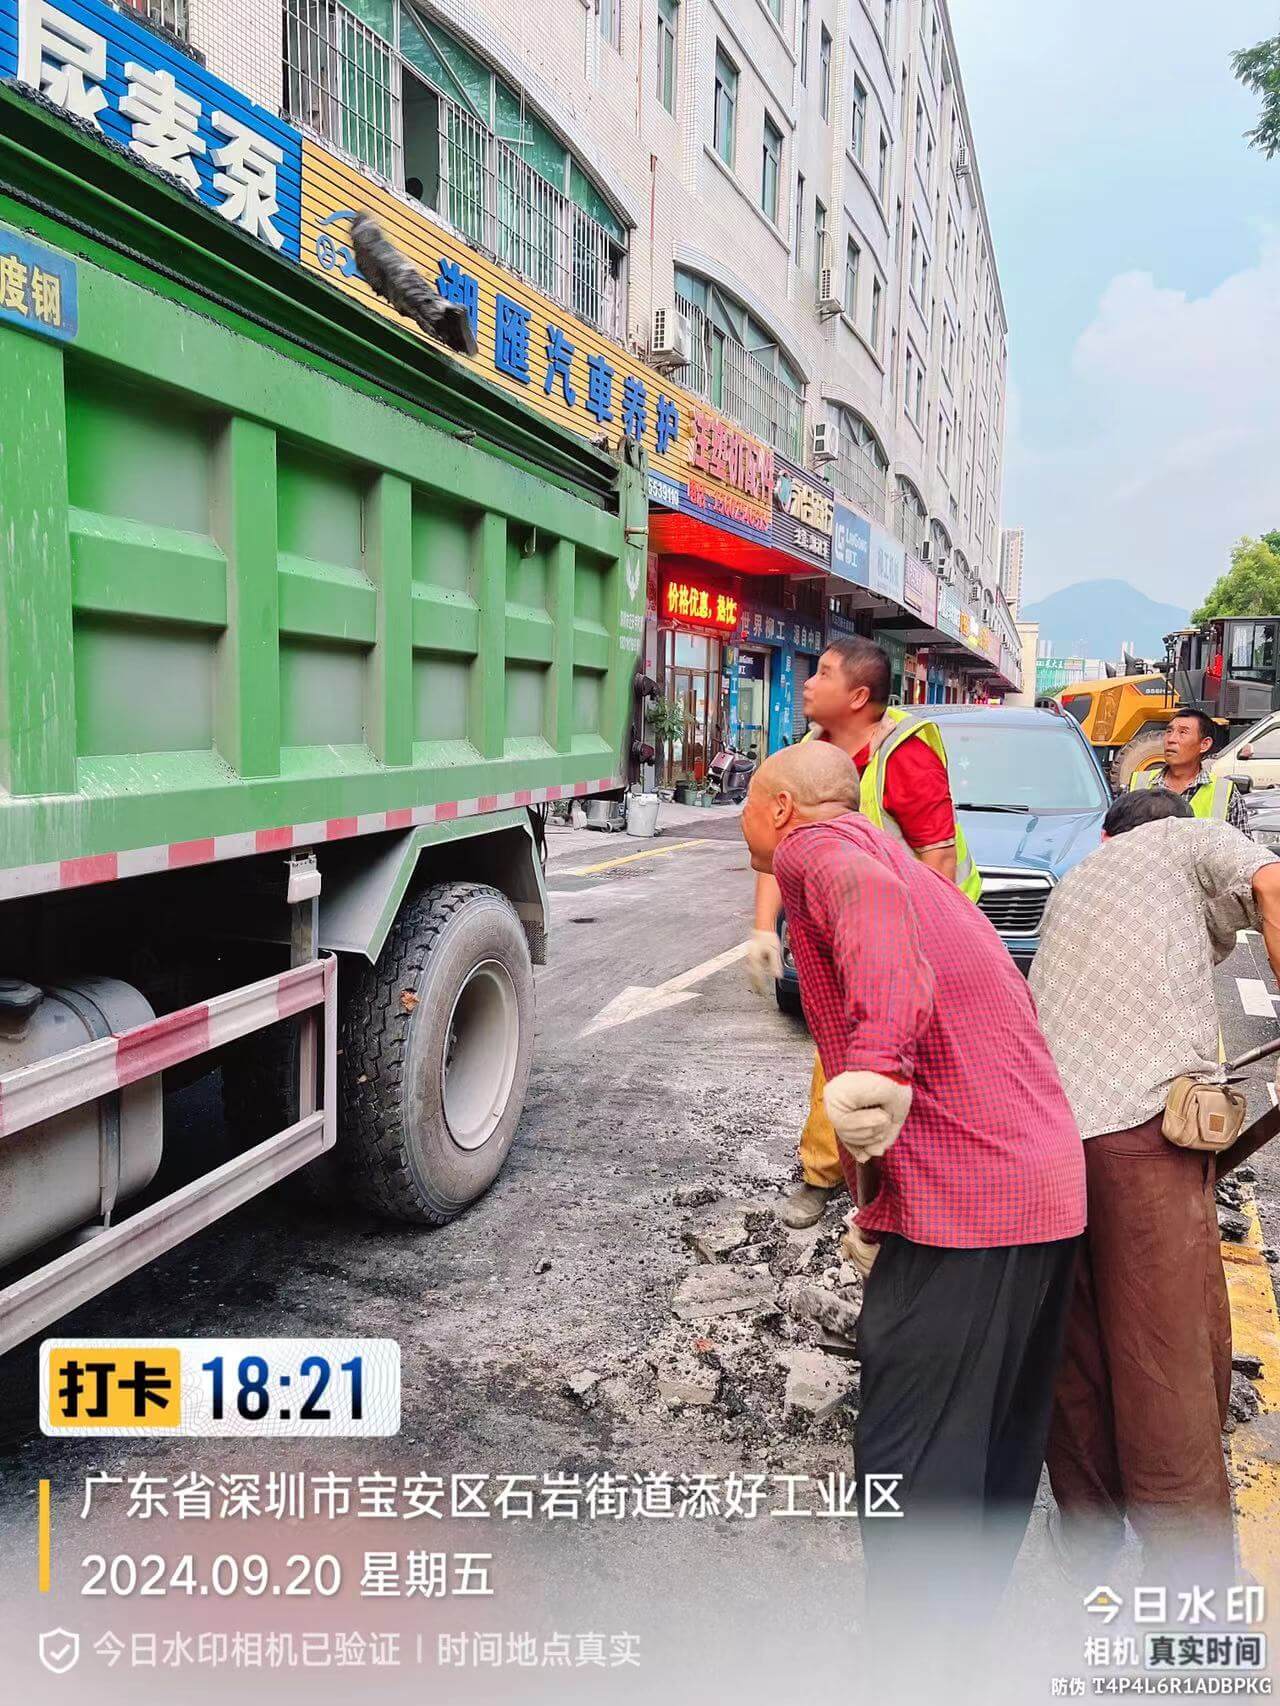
x=1255, y=1446
x=630, y=858
x=46, y=1550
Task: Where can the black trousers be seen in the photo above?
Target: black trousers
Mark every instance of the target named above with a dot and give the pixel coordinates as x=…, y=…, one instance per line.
x=960, y=1349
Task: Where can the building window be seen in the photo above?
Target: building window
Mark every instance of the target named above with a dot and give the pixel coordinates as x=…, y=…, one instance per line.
x=920, y=131
x=428, y=114
x=824, y=55
x=888, y=20
x=897, y=230
x=902, y=100
x=797, y=222
x=933, y=44
x=911, y=519
x=877, y=311
x=882, y=175
x=726, y=105
x=611, y=22
x=909, y=388
x=819, y=240
x=928, y=162
x=861, y=470
x=924, y=280
x=852, y=260
x=893, y=362
x=858, y=129
x=944, y=444
x=775, y=8
x=668, y=35
x=770, y=169
x=915, y=254
x=804, y=43
x=738, y=365
x=918, y=400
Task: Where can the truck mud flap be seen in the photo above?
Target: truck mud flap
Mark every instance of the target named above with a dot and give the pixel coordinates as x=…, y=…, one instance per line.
x=53, y=1086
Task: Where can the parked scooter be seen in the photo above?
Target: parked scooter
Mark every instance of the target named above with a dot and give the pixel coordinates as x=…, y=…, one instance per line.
x=730, y=774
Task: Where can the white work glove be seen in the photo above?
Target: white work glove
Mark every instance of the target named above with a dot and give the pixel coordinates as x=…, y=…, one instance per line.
x=764, y=961
x=867, y=1111
x=857, y=1248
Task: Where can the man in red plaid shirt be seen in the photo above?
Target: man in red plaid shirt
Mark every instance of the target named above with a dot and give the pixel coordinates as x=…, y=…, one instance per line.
x=938, y=1079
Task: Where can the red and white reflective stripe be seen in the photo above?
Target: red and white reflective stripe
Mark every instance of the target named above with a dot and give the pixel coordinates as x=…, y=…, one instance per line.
x=177, y=855
x=64, y=1081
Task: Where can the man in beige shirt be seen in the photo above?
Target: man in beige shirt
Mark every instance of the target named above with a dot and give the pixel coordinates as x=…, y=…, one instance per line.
x=1124, y=986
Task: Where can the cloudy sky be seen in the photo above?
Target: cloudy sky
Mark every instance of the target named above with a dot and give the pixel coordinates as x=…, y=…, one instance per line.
x=1138, y=243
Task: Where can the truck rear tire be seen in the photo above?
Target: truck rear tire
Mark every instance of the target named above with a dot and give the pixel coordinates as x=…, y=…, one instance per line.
x=1145, y=749
x=437, y=1041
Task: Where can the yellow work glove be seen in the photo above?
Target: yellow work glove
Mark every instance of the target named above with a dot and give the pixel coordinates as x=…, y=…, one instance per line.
x=764, y=960
x=867, y=1110
x=857, y=1247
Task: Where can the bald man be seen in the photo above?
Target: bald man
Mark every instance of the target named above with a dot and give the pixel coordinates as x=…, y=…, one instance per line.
x=937, y=1073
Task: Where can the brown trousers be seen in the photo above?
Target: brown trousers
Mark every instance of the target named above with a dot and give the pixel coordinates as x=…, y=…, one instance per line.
x=1146, y=1374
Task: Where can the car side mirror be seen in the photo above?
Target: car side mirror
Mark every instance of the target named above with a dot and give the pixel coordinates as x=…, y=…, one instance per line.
x=1243, y=783
x=1245, y=753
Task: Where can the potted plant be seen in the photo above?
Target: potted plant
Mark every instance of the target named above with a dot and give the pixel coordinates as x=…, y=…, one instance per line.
x=666, y=722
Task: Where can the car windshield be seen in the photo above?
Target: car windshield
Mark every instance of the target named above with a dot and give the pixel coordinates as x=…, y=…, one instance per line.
x=1040, y=770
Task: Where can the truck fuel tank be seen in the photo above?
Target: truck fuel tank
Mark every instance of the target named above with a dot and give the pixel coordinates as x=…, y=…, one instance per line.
x=59, y=1175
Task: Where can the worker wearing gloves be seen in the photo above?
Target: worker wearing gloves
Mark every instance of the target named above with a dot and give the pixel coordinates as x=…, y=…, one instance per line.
x=938, y=1079
x=905, y=790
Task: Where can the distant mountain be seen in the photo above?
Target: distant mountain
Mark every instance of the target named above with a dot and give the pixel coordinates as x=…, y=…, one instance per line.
x=1094, y=619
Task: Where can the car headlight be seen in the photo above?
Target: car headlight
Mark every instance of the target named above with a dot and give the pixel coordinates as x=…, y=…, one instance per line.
x=1269, y=838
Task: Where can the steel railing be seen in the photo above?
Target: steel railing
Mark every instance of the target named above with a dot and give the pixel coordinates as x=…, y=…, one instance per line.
x=172, y=15
x=498, y=202
x=341, y=80
x=911, y=527
x=748, y=392
x=856, y=476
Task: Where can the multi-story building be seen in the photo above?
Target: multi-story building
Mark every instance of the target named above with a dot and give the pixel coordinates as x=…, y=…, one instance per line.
x=776, y=205
x=1011, y=541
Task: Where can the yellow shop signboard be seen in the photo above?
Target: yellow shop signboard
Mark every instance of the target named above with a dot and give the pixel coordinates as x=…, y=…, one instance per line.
x=556, y=364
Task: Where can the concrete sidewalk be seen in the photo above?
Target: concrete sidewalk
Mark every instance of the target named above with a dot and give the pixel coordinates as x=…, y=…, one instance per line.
x=675, y=823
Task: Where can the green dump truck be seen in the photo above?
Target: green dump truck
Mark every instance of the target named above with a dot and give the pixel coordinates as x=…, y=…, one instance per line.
x=302, y=626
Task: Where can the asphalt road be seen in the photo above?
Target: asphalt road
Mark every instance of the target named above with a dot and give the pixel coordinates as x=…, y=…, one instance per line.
x=567, y=1267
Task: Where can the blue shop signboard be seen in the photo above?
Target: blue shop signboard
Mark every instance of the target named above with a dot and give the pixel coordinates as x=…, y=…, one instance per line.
x=851, y=546
x=106, y=71
x=38, y=288
x=785, y=634
x=888, y=566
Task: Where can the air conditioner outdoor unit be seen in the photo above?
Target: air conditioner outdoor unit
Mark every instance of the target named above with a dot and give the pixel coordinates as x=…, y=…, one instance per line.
x=671, y=345
x=926, y=550
x=826, y=443
x=829, y=302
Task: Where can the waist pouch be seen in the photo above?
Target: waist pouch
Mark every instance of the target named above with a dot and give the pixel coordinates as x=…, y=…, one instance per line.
x=1203, y=1114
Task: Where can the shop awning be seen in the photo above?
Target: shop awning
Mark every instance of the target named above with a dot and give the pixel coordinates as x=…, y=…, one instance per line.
x=684, y=536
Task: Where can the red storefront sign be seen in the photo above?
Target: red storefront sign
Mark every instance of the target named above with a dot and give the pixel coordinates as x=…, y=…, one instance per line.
x=721, y=451
x=685, y=599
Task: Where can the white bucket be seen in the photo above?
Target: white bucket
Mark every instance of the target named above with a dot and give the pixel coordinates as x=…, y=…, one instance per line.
x=642, y=815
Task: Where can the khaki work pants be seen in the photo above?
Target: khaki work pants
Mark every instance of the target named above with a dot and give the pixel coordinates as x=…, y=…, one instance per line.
x=1143, y=1388
x=819, y=1151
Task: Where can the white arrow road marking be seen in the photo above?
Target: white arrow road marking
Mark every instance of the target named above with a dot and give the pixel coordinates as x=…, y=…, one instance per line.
x=636, y=1002
x=1254, y=998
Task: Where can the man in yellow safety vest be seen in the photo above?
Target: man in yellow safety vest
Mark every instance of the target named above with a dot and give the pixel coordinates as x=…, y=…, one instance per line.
x=905, y=790
x=1188, y=741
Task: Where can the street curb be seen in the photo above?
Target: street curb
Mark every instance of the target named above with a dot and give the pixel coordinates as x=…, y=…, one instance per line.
x=1255, y=1446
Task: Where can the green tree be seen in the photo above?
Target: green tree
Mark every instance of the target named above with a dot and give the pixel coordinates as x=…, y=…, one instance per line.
x=1251, y=586
x=1258, y=68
